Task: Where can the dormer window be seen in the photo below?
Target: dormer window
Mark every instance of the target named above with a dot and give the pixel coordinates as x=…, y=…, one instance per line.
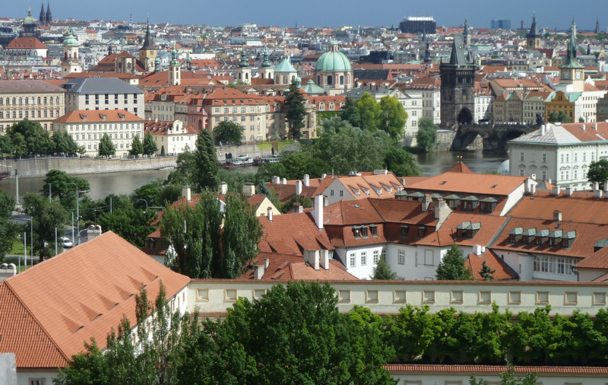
x=515, y=234
x=541, y=237
x=421, y=231
x=568, y=239
x=470, y=203
x=374, y=230
x=529, y=235
x=357, y=231
x=405, y=229
x=555, y=238
x=453, y=200
x=487, y=205
x=364, y=232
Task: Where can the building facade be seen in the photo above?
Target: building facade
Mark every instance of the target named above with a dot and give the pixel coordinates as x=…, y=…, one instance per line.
x=457, y=87
x=104, y=94
x=171, y=137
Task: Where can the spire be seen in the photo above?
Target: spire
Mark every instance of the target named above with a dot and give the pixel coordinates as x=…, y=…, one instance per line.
x=148, y=44
x=597, y=27
x=573, y=38
x=457, y=57
x=266, y=62
x=533, y=29
x=244, y=61
x=42, y=17
x=571, y=60
x=49, y=15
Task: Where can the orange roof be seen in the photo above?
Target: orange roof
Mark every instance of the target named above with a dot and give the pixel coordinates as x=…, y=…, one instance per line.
x=470, y=183
x=26, y=43
x=598, y=260
x=98, y=116
x=79, y=294
x=283, y=267
x=580, y=207
x=502, y=271
x=291, y=234
x=490, y=225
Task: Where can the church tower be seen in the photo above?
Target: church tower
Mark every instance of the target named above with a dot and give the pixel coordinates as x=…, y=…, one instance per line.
x=243, y=73
x=465, y=33
x=533, y=37
x=175, y=75
x=597, y=27
x=42, y=17
x=457, y=87
x=266, y=70
x=572, y=72
x=49, y=15
x=70, y=62
x=147, y=53
x=30, y=28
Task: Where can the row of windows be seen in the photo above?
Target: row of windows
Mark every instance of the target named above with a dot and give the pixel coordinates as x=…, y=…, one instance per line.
x=554, y=265
x=30, y=100
x=102, y=127
x=30, y=114
x=99, y=136
x=376, y=254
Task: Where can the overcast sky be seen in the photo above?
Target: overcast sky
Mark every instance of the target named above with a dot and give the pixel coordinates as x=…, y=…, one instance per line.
x=318, y=13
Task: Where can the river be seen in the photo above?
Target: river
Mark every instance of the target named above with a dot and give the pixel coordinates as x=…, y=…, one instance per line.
x=125, y=182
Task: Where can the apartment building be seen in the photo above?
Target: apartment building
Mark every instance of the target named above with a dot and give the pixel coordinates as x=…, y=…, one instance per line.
x=104, y=94
x=171, y=137
x=87, y=127
x=35, y=100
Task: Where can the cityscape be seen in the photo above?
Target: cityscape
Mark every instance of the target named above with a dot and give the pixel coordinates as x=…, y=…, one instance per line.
x=416, y=203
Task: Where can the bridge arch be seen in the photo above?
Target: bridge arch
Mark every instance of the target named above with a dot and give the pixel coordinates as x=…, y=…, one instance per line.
x=465, y=116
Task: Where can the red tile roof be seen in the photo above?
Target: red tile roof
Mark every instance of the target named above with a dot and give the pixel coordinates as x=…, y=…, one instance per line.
x=79, y=294
x=98, y=116
x=26, y=43
x=502, y=271
x=291, y=234
x=580, y=207
x=284, y=268
x=470, y=183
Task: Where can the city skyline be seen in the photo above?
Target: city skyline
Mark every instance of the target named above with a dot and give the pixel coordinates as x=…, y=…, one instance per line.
x=318, y=13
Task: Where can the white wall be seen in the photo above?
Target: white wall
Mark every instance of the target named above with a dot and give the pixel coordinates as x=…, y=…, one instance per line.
x=460, y=378
x=25, y=375
x=359, y=270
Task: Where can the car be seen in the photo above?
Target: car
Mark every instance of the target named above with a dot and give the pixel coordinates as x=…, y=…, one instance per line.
x=66, y=242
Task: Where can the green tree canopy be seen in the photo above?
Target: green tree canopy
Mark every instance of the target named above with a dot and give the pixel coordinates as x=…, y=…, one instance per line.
x=369, y=112
x=452, y=266
x=383, y=271
x=486, y=272
x=61, y=187
x=106, y=147
x=185, y=170
x=8, y=229
x=508, y=377
x=426, y=137
x=64, y=143
x=32, y=138
x=46, y=217
x=228, y=132
x=149, y=144
x=553, y=117
x=206, y=166
x=137, y=147
x=392, y=117
x=350, y=113
x=295, y=111
x=205, y=249
x=6, y=145
x=598, y=171
x=563, y=117
x=401, y=162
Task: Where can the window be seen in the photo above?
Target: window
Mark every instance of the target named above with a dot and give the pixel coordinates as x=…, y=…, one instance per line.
x=343, y=295
x=371, y=296
x=542, y=297
x=352, y=260
x=522, y=156
x=428, y=296
x=399, y=296
x=404, y=230
x=363, y=258
x=259, y=293
x=230, y=295
x=383, y=254
x=202, y=295
x=37, y=381
x=599, y=299
x=571, y=298
x=376, y=256
x=544, y=158
x=341, y=193
x=485, y=297
x=456, y=296
x=401, y=257
x=331, y=193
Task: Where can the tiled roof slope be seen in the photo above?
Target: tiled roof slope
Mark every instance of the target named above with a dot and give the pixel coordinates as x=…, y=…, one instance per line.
x=580, y=207
x=283, y=267
x=79, y=294
x=502, y=271
x=479, y=184
x=567, y=133
x=291, y=234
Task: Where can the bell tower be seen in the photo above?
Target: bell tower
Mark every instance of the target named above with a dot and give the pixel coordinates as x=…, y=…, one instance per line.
x=70, y=62
x=457, y=87
x=533, y=37
x=175, y=74
x=243, y=73
x=147, y=53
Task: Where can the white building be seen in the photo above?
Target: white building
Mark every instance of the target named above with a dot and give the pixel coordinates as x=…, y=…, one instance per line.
x=560, y=153
x=171, y=137
x=88, y=127
x=103, y=94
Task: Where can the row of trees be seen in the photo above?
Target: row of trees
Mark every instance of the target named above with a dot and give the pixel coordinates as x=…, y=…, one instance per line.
x=387, y=115
x=294, y=334
x=28, y=137
x=147, y=147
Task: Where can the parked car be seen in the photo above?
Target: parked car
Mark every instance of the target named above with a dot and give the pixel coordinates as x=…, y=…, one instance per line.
x=66, y=242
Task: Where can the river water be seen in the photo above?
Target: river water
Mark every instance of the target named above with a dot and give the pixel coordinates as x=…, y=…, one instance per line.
x=125, y=182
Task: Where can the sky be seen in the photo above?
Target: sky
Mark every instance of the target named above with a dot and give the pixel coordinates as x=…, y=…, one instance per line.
x=319, y=13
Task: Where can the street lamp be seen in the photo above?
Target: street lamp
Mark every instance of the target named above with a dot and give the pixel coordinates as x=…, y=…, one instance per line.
x=147, y=207
x=77, y=211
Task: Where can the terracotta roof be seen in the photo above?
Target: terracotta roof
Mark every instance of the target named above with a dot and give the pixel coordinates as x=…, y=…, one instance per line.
x=162, y=127
x=98, y=116
x=580, y=207
x=291, y=234
x=448, y=234
x=502, y=271
x=79, y=294
x=284, y=268
x=461, y=167
x=598, y=260
x=351, y=212
x=470, y=183
x=26, y=43
x=286, y=191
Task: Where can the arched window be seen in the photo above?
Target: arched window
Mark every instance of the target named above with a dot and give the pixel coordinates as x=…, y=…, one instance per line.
x=14, y=100
x=20, y=100
x=57, y=99
x=45, y=100
x=319, y=80
x=65, y=55
x=74, y=55
x=246, y=76
x=1, y=100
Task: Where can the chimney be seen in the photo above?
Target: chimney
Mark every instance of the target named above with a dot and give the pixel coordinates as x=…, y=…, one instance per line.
x=259, y=271
x=306, y=180
x=597, y=193
x=596, y=186
x=317, y=211
x=606, y=185
x=325, y=259
x=557, y=215
x=529, y=182
x=426, y=202
x=477, y=250
x=276, y=180
x=297, y=208
x=187, y=193
x=284, y=180
x=569, y=191
x=312, y=257
x=556, y=190
x=270, y=214
x=442, y=212
x=299, y=187
x=323, y=176
x=248, y=189
x=223, y=188
x=543, y=130
x=532, y=189
x=380, y=172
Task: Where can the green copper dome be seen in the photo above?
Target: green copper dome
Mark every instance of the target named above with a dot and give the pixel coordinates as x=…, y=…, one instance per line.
x=333, y=60
x=29, y=19
x=69, y=40
x=285, y=66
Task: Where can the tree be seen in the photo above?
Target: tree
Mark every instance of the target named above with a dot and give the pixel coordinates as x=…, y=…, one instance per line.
x=206, y=166
x=205, y=249
x=162, y=150
x=563, y=117
x=581, y=120
x=64, y=143
x=132, y=224
x=598, y=171
x=19, y=144
x=61, y=187
x=369, y=112
x=350, y=113
x=553, y=117
x=8, y=230
x=228, y=132
x=304, y=201
x=508, y=378
x=383, y=271
x=184, y=172
x=46, y=217
x=137, y=148
x=34, y=138
x=294, y=334
x=452, y=266
x=6, y=145
x=150, y=146
x=295, y=110
x=106, y=147
x=392, y=117
x=401, y=162
x=426, y=137
x=486, y=272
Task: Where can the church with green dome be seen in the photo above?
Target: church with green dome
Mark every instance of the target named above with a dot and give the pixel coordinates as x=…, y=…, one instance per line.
x=333, y=71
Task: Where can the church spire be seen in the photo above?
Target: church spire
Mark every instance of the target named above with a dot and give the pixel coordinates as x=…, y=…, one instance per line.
x=597, y=27
x=148, y=39
x=533, y=29
x=42, y=17
x=49, y=15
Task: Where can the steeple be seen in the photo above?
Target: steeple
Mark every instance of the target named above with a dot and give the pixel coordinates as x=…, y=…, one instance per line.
x=597, y=27
x=533, y=37
x=465, y=33
x=533, y=30
x=244, y=61
x=458, y=58
x=42, y=17
x=148, y=44
x=266, y=62
x=572, y=46
x=49, y=15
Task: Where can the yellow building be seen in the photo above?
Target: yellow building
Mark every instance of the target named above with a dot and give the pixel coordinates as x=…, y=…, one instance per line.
x=559, y=101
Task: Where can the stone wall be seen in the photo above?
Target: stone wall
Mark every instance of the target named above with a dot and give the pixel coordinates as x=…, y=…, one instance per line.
x=75, y=166
x=444, y=140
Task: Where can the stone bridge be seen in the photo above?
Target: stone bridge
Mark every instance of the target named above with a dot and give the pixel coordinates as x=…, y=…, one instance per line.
x=495, y=136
